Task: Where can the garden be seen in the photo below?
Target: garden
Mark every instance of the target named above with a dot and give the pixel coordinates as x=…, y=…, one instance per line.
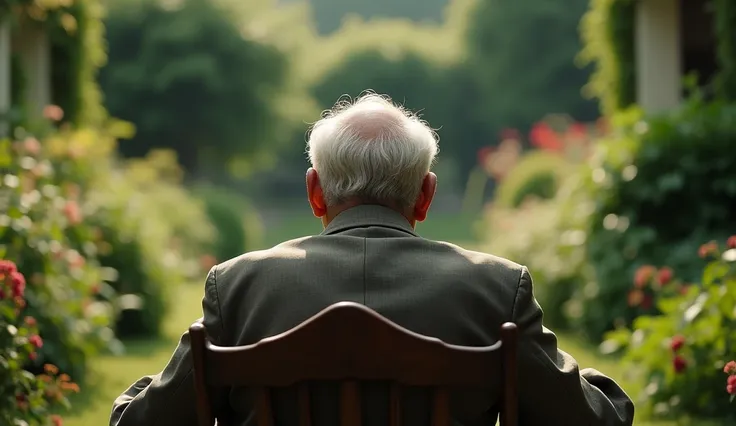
x=116, y=201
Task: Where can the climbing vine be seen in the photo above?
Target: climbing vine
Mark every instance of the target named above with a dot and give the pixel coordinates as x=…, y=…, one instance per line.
x=608, y=34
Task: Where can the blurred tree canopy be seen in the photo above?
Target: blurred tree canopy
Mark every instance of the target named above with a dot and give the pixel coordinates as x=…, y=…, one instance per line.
x=523, y=54
x=228, y=81
x=186, y=76
x=328, y=15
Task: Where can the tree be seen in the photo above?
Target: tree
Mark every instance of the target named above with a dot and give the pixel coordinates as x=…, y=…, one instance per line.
x=188, y=79
x=523, y=56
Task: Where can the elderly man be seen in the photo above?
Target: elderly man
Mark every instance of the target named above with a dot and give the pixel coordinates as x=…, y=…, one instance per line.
x=370, y=184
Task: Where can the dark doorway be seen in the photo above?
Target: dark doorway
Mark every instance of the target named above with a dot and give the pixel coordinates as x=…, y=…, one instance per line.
x=698, y=39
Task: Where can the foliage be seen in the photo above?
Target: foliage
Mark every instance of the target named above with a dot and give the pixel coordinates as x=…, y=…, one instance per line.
x=27, y=398
x=42, y=231
x=154, y=233
x=234, y=220
x=607, y=30
x=677, y=357
x=192, y=80
x=330, y=14
x=541, y=234
x=725, y=27
x=406, y=73
x=647, y=169
x=522, y=56
x=75, y=34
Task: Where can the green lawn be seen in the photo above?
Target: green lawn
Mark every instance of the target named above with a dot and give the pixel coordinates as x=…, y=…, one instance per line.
x=111, y=375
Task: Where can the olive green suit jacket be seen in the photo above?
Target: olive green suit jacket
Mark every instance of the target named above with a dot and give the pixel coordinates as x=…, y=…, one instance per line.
x=371, y=255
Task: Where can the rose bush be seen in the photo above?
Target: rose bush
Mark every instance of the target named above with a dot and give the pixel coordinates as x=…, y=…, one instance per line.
x=42, y=230
x=678, y=349
x=25, y=398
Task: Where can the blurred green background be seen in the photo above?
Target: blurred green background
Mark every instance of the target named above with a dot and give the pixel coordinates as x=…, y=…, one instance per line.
x=144, y=141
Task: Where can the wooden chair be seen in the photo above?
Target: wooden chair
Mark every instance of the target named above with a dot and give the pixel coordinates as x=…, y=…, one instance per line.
x=370, y=348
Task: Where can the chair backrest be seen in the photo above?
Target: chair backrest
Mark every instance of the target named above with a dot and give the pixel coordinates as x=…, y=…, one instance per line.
x=348, y=343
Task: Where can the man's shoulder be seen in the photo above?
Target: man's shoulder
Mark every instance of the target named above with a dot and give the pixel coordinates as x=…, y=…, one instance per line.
x=291, y=249
x=296, y=249
x=477, y=257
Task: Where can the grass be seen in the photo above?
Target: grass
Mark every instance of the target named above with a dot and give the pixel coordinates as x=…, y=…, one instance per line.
x=110, y=375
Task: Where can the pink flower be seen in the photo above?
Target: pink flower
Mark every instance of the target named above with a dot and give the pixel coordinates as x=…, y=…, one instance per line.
x=731, y=385
x=36, y=341
x=7, y=267
x=708, y=249
x=18, y=284
x=32, y=146
x=731, y=243
x=53, y=112
x=730, y=367
x=72, y=212
x=664, y=276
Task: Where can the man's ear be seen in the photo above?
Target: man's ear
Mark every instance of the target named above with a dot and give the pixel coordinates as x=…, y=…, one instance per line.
x=315, y=196
x=426, y=194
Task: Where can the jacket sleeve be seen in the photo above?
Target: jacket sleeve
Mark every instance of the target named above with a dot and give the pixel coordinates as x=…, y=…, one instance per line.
x=168, y=398
x=552, y=389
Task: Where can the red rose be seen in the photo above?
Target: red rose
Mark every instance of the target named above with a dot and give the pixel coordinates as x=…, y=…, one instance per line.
x=731, y=243
x=677, y=343
x=664, y=276
x=730, y=367
x=679, y=364
x=36, y=341
x=7, y=267
x=644, y=275
x=21, y=401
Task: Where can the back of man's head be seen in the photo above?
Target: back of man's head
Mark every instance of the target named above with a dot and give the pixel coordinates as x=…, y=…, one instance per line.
x=371, y=150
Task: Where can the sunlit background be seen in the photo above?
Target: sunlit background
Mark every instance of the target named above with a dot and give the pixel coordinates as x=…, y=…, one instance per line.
x=143, y=141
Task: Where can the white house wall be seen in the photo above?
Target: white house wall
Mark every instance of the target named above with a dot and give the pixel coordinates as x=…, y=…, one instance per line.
x=658, y=54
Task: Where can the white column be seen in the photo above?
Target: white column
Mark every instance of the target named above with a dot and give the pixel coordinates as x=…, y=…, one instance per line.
x=658, y=54
x=4, y=75
x=36, y=56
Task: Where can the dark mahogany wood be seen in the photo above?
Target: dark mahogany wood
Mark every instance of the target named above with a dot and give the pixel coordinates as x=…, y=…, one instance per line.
x=371, y=348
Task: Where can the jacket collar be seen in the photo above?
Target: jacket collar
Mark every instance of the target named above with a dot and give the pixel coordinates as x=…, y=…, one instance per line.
x=366, y=215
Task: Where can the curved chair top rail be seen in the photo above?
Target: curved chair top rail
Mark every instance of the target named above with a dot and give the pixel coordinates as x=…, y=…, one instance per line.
x=348, y=340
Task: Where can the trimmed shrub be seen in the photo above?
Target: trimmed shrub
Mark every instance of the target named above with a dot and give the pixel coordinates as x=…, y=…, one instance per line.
x=234, y=219
x=154, y=232
x=677, y=356
x=659, y=186
x=544, y=236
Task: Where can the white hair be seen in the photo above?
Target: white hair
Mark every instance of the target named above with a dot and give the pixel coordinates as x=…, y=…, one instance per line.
x=372, y=150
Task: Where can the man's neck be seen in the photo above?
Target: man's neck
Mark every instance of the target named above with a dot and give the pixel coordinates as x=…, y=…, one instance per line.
x=333, y=211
